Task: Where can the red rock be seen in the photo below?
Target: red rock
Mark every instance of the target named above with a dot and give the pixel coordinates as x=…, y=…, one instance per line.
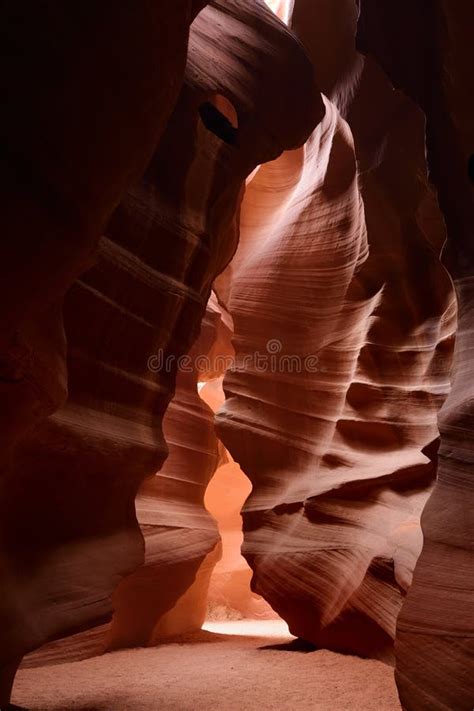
x=229, y=594
x=341, y=458
x=181, y=538
x=128, y=175
x=435, y=630
x=111, y=81
x=87, y=91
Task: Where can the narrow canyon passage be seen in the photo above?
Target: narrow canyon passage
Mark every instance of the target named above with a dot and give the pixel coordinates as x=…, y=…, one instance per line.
x=244, y=657
x=227, y=667
x=236, y=355
x=230, y=595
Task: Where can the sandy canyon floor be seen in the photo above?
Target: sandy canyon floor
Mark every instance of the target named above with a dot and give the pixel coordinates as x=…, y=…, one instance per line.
x=228, y=666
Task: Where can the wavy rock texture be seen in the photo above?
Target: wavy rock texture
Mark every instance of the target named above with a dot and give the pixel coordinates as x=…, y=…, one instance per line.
x=69, y=541
x=435, y=647
x=343, y=322
x=168, y=595
x=87, y=91
x=338, y=435
x=180, y=582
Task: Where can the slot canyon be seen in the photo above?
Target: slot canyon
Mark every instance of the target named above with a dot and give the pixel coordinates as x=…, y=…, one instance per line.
x=237, y=355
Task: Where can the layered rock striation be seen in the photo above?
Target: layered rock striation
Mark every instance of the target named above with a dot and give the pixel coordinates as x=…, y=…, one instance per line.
x=336, y=425
x=435, y=634
x=87, y=93
x=82, y=408
x=172, y=153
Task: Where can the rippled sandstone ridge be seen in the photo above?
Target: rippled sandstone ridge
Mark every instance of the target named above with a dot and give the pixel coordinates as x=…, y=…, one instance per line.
x=435, y=632
x=207, y=179
x=82, y=409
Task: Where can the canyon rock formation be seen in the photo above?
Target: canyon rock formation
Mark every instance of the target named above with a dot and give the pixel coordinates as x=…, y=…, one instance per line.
x=175, y=186
x=87, y=92
x=433, y=65
x=230, y=595
x=73, y=465
x=182, y=545
x=338, y=429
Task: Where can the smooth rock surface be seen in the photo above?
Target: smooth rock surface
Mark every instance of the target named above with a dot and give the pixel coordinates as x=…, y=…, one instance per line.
x=337, y=430
x=433, y=65
x=67, y=544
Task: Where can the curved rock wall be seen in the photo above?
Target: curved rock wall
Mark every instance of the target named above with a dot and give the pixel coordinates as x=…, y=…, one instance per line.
x=122, y=202
x=70, y=539
x=100, y=83
x=168, y=596
x=230, y=595
x=435, y=646
x=181, y=538
x=337, y=430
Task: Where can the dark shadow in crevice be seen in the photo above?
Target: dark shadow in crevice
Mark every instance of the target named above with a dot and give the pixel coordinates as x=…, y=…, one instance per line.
x=296, y=645
x=215, y=121
x=470, y=168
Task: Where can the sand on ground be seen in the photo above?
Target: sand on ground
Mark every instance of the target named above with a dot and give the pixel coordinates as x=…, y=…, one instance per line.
x=228, y=666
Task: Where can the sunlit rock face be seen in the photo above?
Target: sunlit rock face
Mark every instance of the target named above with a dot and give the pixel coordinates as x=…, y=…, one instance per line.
x=182, y=543
x=230, y=595
x=282, y=8
x=433, y=65
x=69, y=527
x=124, y=201
x=337, y=430
x=236, y=131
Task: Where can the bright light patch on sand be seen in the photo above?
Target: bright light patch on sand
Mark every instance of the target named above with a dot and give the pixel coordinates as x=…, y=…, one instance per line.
x=250, y=628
